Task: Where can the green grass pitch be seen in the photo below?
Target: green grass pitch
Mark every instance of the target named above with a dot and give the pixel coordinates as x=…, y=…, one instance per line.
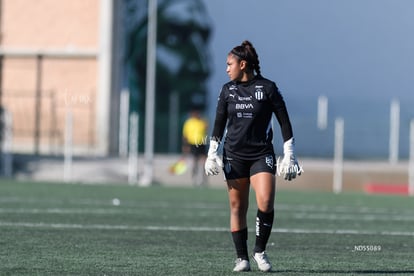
x=73, y=229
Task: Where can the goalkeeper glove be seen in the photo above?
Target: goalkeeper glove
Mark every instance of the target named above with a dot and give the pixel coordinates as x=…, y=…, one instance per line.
x=289, y=166
x=213, y=162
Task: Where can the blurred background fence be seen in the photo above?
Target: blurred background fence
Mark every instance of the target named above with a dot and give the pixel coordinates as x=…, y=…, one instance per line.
x=39, y=120
x=89, y=51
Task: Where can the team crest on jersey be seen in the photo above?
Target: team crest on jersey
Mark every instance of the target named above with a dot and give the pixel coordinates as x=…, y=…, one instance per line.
x=258, y=94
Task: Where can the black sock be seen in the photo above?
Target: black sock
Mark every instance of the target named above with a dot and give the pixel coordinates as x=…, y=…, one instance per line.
x=240, y=242
x=264, y=222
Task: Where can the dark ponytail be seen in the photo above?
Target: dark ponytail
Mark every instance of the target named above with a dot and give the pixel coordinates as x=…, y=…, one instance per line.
x=247, y=52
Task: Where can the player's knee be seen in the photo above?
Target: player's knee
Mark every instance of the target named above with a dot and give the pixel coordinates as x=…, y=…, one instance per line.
x=238, y=208
x=265, y=206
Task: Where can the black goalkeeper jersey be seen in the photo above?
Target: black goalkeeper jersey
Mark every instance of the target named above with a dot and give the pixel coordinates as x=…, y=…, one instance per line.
x=246, y=109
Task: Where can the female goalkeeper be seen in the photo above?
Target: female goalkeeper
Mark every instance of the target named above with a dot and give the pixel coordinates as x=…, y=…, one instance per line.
x=245, y=106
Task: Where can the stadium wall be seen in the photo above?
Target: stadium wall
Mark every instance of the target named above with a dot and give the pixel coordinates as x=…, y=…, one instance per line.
x=52, y=57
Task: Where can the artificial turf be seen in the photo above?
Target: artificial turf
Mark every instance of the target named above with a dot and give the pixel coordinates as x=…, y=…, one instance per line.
x=75, y=229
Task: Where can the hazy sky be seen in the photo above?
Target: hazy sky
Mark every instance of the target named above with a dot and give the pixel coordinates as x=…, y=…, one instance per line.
x=358, y=53
x=356, y=48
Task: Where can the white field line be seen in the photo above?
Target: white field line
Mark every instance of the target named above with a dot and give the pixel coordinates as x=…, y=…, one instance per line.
x=196, y=229
x=65, y=211
x=339, y=209
x=208, y=206
x=108, y=202
x=104, y=211
x=351, y=217
x=310, y=215
x=282, y=208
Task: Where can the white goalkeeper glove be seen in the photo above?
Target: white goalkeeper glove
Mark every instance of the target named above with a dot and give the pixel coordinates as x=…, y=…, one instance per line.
x=289, y=166
x=213, y=162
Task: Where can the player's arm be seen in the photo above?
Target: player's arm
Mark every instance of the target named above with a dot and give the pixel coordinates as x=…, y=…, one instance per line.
x=289, y=165
x=213, y=162
x=219, y=126
x=280, y=110
x=221, y=116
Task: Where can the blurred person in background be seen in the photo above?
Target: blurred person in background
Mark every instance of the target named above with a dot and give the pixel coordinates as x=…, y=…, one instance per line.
x=245, y=107
x=194, y=143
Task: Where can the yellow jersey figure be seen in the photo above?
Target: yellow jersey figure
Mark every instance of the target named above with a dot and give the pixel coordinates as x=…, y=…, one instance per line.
x=194, y=142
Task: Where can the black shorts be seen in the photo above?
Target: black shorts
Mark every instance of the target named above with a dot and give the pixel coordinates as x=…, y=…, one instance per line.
x=239, y=168
x=198, y=150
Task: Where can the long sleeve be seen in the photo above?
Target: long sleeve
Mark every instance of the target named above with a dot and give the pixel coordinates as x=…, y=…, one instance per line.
x=280, y=110
x=221, y=117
